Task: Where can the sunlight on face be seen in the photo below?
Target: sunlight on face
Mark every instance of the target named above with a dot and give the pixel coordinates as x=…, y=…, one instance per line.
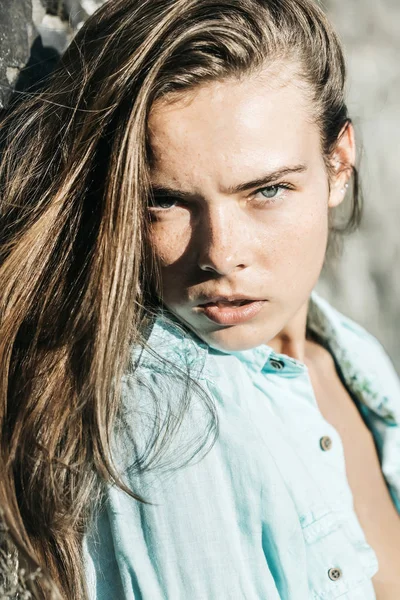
x=239, y=221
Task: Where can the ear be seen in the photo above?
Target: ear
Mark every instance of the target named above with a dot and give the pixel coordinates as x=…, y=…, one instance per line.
x=343, y=159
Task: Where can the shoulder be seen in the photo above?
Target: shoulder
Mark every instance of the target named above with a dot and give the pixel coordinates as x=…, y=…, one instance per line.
x=164, y=370
x=164, y=402
x=352, y=335
x=168, y=348
x=361, y=355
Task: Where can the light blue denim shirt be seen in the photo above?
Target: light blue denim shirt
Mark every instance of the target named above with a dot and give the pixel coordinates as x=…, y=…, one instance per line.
x=267, y=513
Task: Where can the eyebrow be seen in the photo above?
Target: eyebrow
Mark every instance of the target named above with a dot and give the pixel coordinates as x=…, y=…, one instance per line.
x=264, y=180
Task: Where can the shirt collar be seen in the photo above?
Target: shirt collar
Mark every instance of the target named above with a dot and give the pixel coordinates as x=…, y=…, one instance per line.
x=357, y=359
x=170, y=342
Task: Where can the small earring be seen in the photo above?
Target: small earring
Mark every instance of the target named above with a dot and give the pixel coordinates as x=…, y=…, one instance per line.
x=346, y=185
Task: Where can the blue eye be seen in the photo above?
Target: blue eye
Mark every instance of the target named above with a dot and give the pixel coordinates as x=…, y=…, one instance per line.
x=162, y=202
x=270, y=192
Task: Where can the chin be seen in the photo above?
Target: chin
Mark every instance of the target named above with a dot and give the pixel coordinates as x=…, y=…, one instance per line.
x=234, y=339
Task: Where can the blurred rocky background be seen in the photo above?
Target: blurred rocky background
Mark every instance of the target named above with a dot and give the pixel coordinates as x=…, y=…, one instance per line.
x=33, y=33
x=365, y=282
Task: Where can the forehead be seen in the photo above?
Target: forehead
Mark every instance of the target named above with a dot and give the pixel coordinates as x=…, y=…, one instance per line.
x=224, y=131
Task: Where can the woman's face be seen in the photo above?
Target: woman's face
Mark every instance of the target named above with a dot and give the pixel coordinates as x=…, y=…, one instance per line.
x=239, y=221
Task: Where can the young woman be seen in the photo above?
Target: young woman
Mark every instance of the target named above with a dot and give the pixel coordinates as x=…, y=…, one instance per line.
x=182, y=416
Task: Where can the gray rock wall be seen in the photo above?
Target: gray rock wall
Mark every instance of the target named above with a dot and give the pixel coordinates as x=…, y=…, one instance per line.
x=365, y=282
x=16, y=38
x=33, y=33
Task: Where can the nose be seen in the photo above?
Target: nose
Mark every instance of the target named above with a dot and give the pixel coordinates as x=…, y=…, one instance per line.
x=222, y=243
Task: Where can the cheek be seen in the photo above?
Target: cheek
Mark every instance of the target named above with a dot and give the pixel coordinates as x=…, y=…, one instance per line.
x=309, y=242
x=170, y=245
x=295, y=241
x=301, y=247
x=309, y=230
x=169, y=242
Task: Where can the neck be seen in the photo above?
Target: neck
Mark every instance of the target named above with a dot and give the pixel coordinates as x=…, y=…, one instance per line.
x=291, y=340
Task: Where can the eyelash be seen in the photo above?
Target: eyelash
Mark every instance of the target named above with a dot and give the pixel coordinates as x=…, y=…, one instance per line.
x=263, y=202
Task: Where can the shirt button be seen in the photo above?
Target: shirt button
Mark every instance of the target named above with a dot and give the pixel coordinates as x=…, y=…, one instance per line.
x=334, y=574
x=277, y=364
x=326, y=443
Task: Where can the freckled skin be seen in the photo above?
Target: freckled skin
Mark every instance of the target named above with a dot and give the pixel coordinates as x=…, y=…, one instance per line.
x=222, y=243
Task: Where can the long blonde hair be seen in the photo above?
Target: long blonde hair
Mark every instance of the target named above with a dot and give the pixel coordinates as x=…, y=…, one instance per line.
x=74, y=186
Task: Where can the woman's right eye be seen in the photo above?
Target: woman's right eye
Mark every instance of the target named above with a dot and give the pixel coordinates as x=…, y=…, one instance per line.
x=162, y=202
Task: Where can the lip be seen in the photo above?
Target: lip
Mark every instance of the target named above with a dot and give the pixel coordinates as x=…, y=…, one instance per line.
x=230, y=314
x=227, y=298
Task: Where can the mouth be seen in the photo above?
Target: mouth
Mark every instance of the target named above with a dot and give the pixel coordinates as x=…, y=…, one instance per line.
x=230, y=310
